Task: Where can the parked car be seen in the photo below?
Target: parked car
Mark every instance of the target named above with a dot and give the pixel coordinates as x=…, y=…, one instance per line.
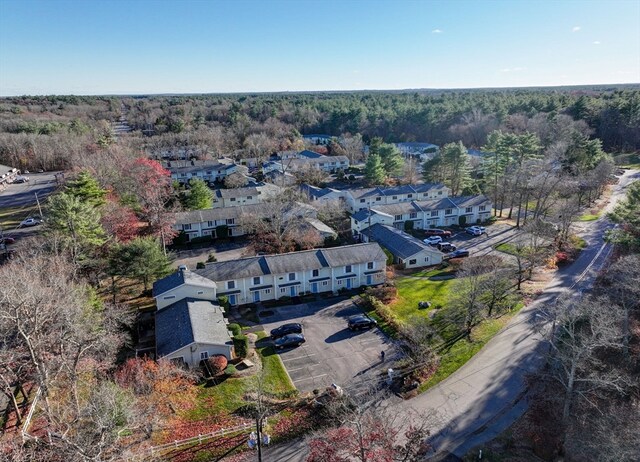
x=285, y=329
x=7, y=240
x=437, y=232
x=433, y=240
x=21, y=179
x=457, y=254
x=361, y=321
x=289, y=340
x=30, y=222
x=475, y=230
x=446, y=247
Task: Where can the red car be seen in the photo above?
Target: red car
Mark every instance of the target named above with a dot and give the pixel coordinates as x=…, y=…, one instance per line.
x=437, y=232
x=7, y=240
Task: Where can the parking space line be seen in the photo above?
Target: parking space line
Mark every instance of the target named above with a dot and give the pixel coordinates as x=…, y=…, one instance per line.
x=299, y=357
x=310, y=378
x=296, y=369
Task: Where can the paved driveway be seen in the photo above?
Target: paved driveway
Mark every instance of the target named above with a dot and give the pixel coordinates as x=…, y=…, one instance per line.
x=483, y=245
x=332, y=353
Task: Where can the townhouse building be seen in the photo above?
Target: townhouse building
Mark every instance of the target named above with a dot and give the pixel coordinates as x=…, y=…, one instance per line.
x=425, y=214
x=407, y=251
x=272, y=277
x=222, y=222
x=248, y=195
x=208, y=170
x=365, y=198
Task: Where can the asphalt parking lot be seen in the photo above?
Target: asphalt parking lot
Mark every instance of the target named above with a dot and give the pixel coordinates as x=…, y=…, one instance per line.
x=332, y=353
x=485, y=244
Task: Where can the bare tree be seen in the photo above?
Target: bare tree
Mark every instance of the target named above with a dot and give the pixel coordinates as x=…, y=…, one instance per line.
x=235, y=180
x=353, y=147
x=582, y=332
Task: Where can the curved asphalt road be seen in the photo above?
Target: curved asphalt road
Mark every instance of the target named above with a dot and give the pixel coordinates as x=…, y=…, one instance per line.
x=486, y=395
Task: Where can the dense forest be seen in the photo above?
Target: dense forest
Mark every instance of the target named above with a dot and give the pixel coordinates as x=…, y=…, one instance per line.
x=54, y=131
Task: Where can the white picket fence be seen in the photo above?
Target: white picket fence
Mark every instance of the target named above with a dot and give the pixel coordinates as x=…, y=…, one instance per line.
x=193, y=440
x=27, y=421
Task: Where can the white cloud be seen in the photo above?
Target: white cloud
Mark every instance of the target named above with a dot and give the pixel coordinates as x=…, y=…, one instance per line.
x=436, y=31
x=513, y=69
x=576, y=28
x=597, y=42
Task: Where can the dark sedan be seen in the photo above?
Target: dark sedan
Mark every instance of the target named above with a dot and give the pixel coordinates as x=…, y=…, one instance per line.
x=291, y=328
x=361, y=321
x=289, y=340
x=457, y=254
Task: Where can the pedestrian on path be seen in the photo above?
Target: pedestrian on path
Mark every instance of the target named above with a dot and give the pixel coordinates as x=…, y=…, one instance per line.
x=382, y=356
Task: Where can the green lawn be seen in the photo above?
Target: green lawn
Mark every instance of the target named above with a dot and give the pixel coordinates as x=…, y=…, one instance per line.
x=589, y=217
x=506, y=248
x=412, y=290
x=464, y=350
x=226, y=397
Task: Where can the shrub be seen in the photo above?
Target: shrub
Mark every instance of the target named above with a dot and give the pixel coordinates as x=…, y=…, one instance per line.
x=200, y=265
x=211, y=258
x=352, y=178
x=230, y=370
x=385, y=293
x=241, y=345
x=217, y=364
x=223, y=301
x=235, y=329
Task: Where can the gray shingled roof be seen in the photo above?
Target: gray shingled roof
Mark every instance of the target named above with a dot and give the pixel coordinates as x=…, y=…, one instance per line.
x=310, y=154
x=470, y=201
x=291, y=262
x=313, y=191
x=187, y=321
x=399, y=243
x=404, y=189
x=177, y=279
x=186, y=166
x=224, y=213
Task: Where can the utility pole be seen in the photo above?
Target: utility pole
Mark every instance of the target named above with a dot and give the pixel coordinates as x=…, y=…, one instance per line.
x=38, y=202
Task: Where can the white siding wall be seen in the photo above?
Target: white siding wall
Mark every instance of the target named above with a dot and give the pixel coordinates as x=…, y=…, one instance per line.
x=185, y=291
x=192, y=358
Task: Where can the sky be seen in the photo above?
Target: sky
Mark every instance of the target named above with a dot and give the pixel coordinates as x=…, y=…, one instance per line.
x=187, y=46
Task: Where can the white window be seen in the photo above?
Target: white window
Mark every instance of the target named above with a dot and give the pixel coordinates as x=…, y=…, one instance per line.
x=168, y=297
x=439, y=193
x=231, y=221
x=412, y=262
x=283, y=290
x=394, y=197
x=413, y=215
x=468, y=210
x=378, y=199
x=347, y=269
x=204, y=354
x=340, y=282
x=210, y=224
x=398, y=217
x=231, y=284
x=233, y=199
x=370, y=265
x=434, y=213
x=448, y=212
x=483, y=208
x=362, y=201
x=200, y=292
x=267, y=291
x=186, y=227
x=292, y=276
x=315, y=273
x=325, y=283
x=249, y=198
x=256, y=281
x=409, y=196
x=426, y=258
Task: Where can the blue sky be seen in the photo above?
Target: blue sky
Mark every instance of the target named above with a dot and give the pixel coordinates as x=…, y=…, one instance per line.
x=162, y=46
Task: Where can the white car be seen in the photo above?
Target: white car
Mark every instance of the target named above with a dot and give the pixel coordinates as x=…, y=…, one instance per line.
x=30, y=222
x=475, y=230
x=433, y=240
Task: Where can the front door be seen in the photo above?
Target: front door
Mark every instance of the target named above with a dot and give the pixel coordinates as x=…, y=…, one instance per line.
x=292, y=291
x=256, y=296
x=348, y=283
x=314, y=287
x=369, y=279
x=232, y=299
